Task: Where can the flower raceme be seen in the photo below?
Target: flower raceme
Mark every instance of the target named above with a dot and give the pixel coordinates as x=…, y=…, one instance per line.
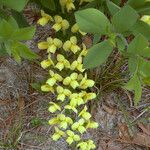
x=69, y=81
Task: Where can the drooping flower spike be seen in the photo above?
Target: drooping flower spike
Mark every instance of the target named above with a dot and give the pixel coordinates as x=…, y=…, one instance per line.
x=68, y=80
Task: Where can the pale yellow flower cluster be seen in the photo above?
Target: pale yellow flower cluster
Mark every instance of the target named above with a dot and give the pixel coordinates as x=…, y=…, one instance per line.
x=69, y=81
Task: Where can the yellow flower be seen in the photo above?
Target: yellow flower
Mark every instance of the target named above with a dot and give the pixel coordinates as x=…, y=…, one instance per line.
x=60, y=23
x=89, y=96
x=71, y=45
x=53, y=44
x=71, y=80
x=53, y=121
x=62, y=93
x=77, y=64
x=71, y=108
x=62, y=2
x=54, y=107
x=76, y=99
x=92, y=124
x=89, y=145
x=75, y=28
x=83, y=146
x=43, y=45
x=62, y=62
x=79, y=126
x=84, y=51
x=46, y=63
x=86, y=115
x=45, y=18
x=47, y=88
x=146, y=18
x=58, y=134
x=68, y=4
x=81, y=1
x=80, y=77
x=54, y=78
x=64, y=121
x=85, y=83
x=72, y=137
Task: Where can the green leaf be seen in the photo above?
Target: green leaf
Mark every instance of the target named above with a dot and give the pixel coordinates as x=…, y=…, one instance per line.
x=121, y=43
x=146, y=80
x=12, y=22
x=97, y=54
x=23, y=33
x=113, y=8
x=92, y=21
x=132, y=64
x=124, y=19
x=134, y=84
x=3, y=14
x=145, y=52
x=96, y=38
x=3, y=52
x=92, y=4
x=141, y=27
x=144, y=68
x=137, y=45
x=14, y=4
x=117, y=2
x=20, y=19
x=24, y=51
x=8, y=47
x=5, y=29
x=50, y=4
x=36, y=86
x=16, y=55
x=136, y=3
x=145, y=10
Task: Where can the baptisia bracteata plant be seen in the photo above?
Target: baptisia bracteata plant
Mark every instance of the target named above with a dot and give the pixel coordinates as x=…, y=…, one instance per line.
x=69, y=81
